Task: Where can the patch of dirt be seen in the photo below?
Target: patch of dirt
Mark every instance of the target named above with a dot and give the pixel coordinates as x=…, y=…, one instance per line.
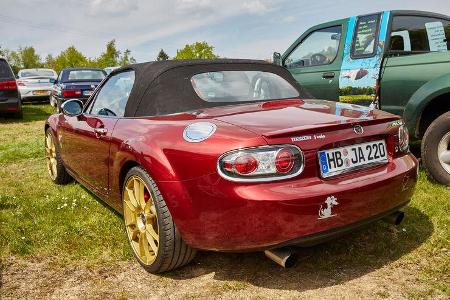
x=210, y=275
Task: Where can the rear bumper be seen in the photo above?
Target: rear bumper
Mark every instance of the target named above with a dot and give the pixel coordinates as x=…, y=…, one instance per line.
x=212, y=213
x=29, y=93
x=9, y=105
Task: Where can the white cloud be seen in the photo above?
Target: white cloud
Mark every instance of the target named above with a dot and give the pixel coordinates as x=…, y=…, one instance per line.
x=193, y=6
x=288, y=19
x=111, y=7
x=255, y=7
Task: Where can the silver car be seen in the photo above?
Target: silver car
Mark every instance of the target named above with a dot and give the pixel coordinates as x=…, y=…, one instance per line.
x=36, y=84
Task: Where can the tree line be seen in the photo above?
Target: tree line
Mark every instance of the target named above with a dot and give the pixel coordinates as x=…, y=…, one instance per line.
x=28, y=58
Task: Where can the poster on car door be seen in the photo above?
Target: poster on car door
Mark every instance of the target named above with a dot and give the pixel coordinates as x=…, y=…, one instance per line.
x=364, y=45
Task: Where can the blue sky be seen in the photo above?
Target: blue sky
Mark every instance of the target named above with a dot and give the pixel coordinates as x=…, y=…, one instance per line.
x=236, y=28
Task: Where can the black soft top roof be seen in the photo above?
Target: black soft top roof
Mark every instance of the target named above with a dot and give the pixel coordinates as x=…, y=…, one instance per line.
x=164, y=87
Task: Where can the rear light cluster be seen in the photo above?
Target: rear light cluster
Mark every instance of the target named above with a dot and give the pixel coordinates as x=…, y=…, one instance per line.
x=21, y=83
x=71, y=93
x=266, y=163
x=10, y=85
x=403, y=138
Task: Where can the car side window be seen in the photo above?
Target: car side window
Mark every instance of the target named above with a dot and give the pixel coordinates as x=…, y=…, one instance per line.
x=318, y=48
x=416, y=34
x=113, y=95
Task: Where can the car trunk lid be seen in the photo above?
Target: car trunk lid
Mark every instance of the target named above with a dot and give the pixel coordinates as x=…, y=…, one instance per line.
x=291, y=118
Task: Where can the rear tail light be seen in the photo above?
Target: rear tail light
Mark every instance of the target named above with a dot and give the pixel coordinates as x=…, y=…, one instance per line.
x=403, y=138
x=21, y=83
x=8, y=85
x=71, y=93
x=266, y=163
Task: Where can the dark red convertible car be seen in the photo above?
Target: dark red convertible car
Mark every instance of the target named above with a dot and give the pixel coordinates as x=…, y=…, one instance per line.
x=228, y=155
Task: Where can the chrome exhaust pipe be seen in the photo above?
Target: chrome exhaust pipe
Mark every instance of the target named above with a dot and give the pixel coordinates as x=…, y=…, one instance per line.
x=285, y=257
x=395, y=218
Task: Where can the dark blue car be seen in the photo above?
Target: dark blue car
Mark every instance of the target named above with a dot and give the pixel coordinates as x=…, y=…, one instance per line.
x=75, y=83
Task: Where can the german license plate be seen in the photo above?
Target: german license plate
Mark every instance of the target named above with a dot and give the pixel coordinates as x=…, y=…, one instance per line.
x=41, y=93
x=345, y=159
x=87, y=93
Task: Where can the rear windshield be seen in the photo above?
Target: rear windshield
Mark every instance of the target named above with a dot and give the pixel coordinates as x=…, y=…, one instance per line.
x=86, y=75
x=37, y=73
x=5, y=70
x=238, y=86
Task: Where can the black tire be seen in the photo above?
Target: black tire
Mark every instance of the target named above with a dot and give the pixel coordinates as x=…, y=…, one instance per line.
x=53, y=101
x=19, y=114
x=173, y=252
x=62, y=177
x=433, y=135
x=58, y=106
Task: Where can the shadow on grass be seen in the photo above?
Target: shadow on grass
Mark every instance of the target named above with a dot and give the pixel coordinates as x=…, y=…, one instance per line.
x=328, y=264
x=31, y=112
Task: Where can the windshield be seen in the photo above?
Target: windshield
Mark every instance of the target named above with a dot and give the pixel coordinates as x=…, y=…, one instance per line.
x=37, y=73
x=86, y=75
x=237, y=86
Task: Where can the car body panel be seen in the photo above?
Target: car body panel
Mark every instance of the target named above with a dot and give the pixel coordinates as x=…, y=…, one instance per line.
x=214, y=213
x=10, y=102
x=64, y=83
x=403, y=77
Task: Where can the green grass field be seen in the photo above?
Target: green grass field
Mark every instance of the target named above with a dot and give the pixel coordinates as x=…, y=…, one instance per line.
x=69, y=226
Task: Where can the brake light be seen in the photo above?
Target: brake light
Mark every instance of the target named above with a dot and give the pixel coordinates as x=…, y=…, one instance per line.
x=245, y=164
x=71, y=93
x=21, y=83
x=285, y=160
x=8, y=85
x=266, y=163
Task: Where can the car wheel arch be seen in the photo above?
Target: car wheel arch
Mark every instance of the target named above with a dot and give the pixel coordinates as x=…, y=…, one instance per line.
x=427, y=94
x=435, y=107
x=126, y=167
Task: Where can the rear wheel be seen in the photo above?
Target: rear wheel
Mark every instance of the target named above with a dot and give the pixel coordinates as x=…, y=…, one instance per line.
x=153, y=236
x=52, y=101
x=436, y=150
x=55, y=167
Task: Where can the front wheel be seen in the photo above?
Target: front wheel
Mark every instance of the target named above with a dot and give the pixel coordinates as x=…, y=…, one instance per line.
x=153, y=236
x=436, y=150
x=55, y=166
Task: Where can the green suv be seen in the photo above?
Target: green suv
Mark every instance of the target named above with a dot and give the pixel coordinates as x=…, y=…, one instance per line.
x=398, y=61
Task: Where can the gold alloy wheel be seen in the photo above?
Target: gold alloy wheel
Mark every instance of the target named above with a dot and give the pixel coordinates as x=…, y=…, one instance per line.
x=50, y=155
x=140, y=220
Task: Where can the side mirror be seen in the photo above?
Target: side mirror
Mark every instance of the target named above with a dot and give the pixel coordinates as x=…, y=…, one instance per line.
x=276, y=59
x=72, y=108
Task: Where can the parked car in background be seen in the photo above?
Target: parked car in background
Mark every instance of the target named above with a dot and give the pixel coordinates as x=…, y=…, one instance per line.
x=75, y=83
x=229, y=155
x=10, y=103
x=36, y=84
x=397, y=60
x=110, y=69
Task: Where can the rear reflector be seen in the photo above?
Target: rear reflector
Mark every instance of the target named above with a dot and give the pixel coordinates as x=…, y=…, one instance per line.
x=71, y=93
x=8, y=85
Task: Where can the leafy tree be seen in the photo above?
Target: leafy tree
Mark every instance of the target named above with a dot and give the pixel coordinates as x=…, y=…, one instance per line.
x=126, y=58
x=29, y=58
x=70, y=58
x=110, y=57
x=197, y=50
x=162, y=55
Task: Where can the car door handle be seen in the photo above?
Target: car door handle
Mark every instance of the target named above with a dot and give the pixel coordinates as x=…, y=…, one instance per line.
x=100, y=131
x=328, y=75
